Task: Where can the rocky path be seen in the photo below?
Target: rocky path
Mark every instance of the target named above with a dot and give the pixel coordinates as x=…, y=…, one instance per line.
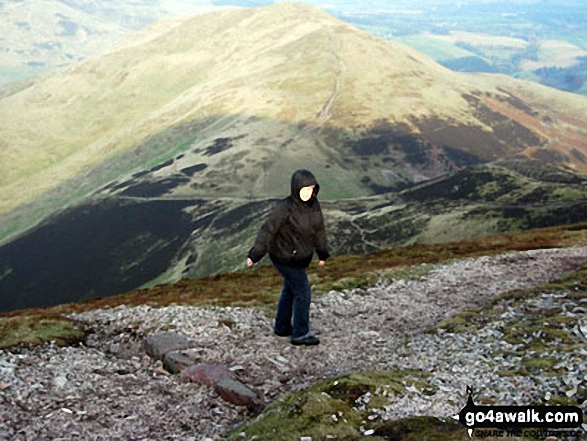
x=110, y=389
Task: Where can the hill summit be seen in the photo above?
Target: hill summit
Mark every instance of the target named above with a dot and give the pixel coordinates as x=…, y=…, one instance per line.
x=242, y=85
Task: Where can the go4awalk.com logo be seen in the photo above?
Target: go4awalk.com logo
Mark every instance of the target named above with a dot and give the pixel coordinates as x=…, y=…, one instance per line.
x=513, y=421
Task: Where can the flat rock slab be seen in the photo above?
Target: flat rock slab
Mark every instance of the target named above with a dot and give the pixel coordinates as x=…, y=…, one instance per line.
x=157, y=345
x=235, y=392
x=220, y=378
x=207, y=374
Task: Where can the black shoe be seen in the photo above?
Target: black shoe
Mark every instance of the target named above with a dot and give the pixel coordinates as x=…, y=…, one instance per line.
x=282, y=335
x=308, y=341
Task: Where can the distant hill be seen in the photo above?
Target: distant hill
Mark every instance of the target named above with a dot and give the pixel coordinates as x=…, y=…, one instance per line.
x=238, y=86
x=40, y=36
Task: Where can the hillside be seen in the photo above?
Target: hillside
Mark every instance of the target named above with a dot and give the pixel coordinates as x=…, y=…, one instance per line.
x=147, y=239
x=40, y=36
x=238, y=86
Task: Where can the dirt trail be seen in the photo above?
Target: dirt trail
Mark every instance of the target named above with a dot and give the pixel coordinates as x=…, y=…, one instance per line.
x=325, y=114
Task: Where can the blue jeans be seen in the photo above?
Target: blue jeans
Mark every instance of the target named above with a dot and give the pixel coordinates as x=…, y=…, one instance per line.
x=295, y=300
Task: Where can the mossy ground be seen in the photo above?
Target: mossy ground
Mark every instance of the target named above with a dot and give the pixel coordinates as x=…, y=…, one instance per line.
x=349, y=407
x=342, y=408
x=32, y=330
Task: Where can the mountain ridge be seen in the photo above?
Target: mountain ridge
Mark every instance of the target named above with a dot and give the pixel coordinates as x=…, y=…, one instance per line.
x=119, y=107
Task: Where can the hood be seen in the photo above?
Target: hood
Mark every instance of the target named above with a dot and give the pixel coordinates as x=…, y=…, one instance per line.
x=303, y=178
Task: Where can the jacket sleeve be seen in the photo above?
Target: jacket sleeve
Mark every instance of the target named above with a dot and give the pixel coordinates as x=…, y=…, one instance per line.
x=267, y=231
x=321, y=243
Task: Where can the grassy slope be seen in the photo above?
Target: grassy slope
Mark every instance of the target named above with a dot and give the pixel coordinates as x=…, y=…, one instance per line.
x=480, y=201
x=285, y=69
x=50, y=34
x=119, y=105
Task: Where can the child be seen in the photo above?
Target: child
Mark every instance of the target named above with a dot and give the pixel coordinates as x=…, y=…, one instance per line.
x=293, y=230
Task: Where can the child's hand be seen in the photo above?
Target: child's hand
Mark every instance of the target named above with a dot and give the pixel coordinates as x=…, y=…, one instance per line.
x=321, y=263
x=249, y=261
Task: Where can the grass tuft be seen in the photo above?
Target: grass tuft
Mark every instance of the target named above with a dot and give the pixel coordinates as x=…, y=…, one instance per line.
x=33, y=330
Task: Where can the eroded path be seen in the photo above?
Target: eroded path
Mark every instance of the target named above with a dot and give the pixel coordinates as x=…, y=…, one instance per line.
x=110, y=389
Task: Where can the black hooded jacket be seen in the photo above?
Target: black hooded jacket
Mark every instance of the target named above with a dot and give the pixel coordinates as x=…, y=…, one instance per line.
x=294, y=228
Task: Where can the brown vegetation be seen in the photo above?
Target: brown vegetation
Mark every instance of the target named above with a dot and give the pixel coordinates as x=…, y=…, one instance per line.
x=260, y=286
